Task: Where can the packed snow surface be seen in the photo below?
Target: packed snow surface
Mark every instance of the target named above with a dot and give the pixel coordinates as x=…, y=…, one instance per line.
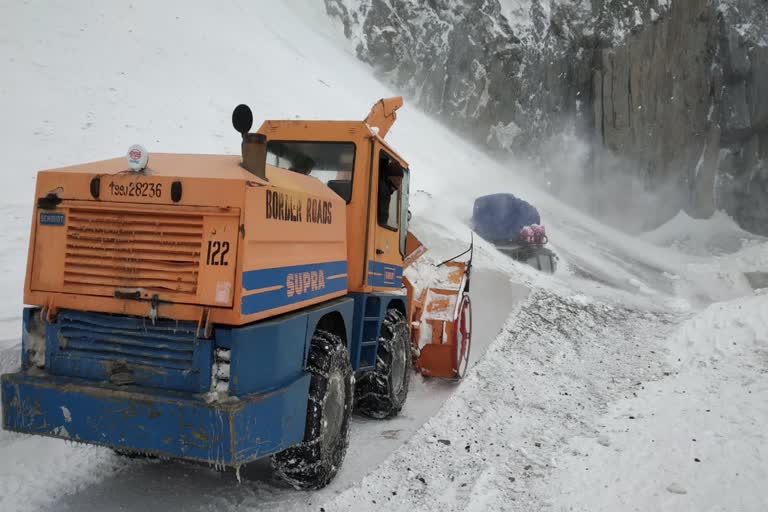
x=634, y=348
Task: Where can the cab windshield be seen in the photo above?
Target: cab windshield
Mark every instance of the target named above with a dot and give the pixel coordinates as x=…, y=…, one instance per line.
x=333, y=163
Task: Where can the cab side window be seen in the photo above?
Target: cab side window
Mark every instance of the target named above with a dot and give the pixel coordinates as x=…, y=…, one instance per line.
x=390, y=179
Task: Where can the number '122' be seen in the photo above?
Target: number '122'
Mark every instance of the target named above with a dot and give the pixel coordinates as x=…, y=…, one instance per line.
x=217, y=252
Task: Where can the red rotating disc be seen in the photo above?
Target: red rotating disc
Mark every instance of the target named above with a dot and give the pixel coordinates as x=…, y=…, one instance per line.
x=463, y=336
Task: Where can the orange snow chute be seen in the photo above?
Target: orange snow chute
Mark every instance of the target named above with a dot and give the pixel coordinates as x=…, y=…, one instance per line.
x=382, y=115
x=441, y=321
x=413, y=250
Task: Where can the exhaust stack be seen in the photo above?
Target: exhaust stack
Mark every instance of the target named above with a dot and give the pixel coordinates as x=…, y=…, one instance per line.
x=254, y=146
x=254, y=149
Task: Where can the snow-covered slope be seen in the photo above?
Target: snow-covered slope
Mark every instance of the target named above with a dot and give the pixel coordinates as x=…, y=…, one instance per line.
x=84, y=80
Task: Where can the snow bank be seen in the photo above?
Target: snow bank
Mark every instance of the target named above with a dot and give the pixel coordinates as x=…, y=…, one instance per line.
x=725, y=333
x=692, y=441
x=494, y=442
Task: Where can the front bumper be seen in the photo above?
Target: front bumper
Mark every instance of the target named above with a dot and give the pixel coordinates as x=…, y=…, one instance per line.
x=165, y=423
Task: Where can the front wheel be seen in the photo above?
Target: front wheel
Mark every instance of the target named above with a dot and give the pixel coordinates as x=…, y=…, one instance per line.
x=313, y=463
x=381, y=392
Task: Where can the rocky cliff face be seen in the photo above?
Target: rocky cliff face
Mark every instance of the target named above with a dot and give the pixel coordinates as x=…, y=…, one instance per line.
x=656, y=104
x=741, y=180
x=463, y=60
x=670, y=100
x=683, y=101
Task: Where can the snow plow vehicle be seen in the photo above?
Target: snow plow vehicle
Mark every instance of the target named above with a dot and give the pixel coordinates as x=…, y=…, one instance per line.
x=514, y=227
x=225, y=309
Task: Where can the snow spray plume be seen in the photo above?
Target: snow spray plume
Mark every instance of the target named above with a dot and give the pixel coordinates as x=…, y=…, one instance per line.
x=615, y=190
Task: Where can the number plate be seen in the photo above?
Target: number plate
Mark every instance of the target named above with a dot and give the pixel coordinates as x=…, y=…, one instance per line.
x=146, y=189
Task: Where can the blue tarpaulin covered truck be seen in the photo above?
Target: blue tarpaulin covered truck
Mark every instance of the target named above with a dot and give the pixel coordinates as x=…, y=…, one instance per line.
x=514, y=227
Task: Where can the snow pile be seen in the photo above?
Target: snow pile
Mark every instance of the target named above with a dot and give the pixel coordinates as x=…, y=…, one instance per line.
x=725, y=333
x=718, y=235
x=721, y=257
x=493, y=444
x=693, y=441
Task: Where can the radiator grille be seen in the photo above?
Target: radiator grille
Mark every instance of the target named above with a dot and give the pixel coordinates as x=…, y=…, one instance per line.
x=164, y=343
x=157, y=251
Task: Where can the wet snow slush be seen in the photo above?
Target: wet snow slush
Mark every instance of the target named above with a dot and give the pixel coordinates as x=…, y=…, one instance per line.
x=633, y=379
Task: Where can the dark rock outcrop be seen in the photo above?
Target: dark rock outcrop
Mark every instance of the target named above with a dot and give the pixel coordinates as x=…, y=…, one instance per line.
x=656, y=104
x=464, y=63
x=683, y=100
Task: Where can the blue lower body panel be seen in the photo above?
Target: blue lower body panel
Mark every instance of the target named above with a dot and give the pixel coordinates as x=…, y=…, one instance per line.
x=167, y=423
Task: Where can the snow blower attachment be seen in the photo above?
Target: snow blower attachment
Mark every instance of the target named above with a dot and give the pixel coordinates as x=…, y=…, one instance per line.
x=441, y=320
x=229, y=308
x=514, y=227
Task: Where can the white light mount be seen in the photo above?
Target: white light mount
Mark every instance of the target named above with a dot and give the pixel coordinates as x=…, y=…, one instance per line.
x=137, y=157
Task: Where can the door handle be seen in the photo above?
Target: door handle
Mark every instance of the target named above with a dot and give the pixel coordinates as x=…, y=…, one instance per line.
x=379, y=251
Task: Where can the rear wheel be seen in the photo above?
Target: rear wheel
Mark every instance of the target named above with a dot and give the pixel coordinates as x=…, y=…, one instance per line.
x=313, y=463
x=381, y=392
